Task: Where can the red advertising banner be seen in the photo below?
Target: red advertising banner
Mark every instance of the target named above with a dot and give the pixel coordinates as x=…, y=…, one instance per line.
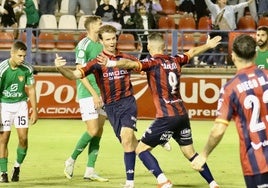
x=56, y=96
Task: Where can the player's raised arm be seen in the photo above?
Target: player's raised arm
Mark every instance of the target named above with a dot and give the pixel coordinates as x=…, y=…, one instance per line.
x=66, y=72
x=122, y=63
x=211, y=43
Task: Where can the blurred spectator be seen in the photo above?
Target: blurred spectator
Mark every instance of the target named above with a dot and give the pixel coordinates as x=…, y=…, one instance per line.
x=58, y=4
x=263, y=8
x=9, y=17
x=143, y=20
x=201, y=9
x=98, y=2
x=229, y=11
x=123, y=9
x=252, y=10
x=108, y=14
x=153, y=5
x=47, y=6
x=227, y=15
x=87, y=6
x=32, y=15
x=2, y=10
x=187, y=6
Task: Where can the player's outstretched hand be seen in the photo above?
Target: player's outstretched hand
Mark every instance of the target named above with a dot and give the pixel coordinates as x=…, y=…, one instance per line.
x=59, y=61
x=198, y=162
x=214, y=41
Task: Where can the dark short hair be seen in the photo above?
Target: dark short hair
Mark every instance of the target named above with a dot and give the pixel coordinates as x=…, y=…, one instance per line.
x=245, y=46
x=263, y=28
x=19, y=45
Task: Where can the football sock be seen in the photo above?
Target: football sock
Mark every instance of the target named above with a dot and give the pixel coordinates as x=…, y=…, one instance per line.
x=21, y=154
x=150, y=162
x=82, y=143
x=3, y=164
x=130, y=160
x=130, y=182
x=16, y=164
x=93, y=151
x=89, y=171
x=161, y=178
x=206, y=174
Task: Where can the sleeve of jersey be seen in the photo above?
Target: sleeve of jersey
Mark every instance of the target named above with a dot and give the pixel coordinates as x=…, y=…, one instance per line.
x=29, y=75
x=30, y=80
x=224, y=109
x=183, y=58
x=88, y=68
x=133, y=58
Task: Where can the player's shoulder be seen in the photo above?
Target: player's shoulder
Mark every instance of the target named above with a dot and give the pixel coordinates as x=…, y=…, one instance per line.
x=127, y=56
x=83, y=43
x=4, y=65
x=28, y=66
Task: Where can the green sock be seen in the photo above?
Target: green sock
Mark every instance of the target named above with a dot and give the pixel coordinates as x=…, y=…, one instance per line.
x=3, y=164
x=93, y=151
x=21, y=154
x=81, y=144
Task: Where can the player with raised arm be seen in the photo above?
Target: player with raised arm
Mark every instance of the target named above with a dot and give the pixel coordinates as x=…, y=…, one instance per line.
x=245, y=100
x=17, y=85
x=117, y=94
x=172, y=121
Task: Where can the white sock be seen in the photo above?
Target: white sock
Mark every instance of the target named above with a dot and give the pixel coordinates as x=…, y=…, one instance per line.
x=213, y=184
x=16, y=164
x=89, y=171
x=161, y=178
x=70, y=160
x=129, y=182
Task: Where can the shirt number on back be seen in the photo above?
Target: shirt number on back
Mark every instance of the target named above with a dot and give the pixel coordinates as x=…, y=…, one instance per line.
x=173, y=82
x=251, y=101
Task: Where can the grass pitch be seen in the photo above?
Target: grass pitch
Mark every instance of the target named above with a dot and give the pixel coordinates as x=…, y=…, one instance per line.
x=51, y=142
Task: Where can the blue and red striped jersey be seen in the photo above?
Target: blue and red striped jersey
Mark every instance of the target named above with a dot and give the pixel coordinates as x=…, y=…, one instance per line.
x=163, y=74
x=114, y=83
x=245, y=99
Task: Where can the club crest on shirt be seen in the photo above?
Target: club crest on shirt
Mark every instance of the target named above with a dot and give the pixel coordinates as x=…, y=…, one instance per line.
x=21, y=78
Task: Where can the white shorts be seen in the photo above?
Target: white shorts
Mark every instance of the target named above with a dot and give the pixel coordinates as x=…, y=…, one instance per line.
x=14, y=114
x=87, y=109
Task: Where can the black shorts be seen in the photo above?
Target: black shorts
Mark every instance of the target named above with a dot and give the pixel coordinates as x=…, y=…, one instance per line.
x=122, y=113
x=259, y=180
x=162, y=129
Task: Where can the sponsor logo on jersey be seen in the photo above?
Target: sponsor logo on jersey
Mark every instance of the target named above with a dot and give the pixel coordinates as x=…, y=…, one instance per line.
x=21, y=78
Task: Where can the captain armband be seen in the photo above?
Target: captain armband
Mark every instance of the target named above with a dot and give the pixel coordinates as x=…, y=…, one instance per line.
x=111, y=63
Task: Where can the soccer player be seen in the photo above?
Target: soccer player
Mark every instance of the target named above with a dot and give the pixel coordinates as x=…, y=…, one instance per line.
x=117, y=95
x=244, y=99
x=163, y=75
x=90, y=103
x=16, y=80
x=262, y=50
